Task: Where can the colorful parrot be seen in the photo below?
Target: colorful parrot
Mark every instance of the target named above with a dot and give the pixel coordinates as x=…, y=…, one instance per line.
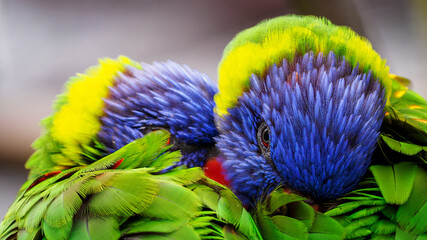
x=311, y=107
x=318, y=141
x=119, y=101
x=106, y=168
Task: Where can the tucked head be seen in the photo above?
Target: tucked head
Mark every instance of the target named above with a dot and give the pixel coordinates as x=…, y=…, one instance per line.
x=302, y=108
x=162, y=96
x=119, y=101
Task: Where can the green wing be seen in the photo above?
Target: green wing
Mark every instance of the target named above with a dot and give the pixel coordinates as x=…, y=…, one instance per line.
x=126, y=195
x=391, y=200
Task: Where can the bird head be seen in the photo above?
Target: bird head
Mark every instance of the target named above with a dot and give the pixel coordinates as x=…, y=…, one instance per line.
x=300, y=104
x=161, y=96
x=119, y=101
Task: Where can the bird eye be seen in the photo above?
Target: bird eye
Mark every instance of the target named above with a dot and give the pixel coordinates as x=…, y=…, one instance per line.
x=263, y=137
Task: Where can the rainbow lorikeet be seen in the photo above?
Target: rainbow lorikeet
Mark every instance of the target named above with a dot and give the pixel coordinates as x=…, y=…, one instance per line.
x=106, y=168
x=119, y=101
x=311, y=107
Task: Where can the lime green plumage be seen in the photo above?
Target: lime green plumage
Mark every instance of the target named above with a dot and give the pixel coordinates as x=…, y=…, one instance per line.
x=133, y=199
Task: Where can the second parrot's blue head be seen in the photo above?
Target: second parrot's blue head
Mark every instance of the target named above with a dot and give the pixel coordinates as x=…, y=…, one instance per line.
x=311, y=125
x=308, y=120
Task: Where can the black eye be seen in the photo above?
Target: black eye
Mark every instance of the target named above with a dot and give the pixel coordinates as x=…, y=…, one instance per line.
x=263, y=137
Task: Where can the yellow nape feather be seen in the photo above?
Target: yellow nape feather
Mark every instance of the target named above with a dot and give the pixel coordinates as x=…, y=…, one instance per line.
x=77, y=122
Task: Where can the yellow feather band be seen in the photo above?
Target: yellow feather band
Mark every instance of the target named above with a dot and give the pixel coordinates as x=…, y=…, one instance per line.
x=254, y=50
x=77, y=121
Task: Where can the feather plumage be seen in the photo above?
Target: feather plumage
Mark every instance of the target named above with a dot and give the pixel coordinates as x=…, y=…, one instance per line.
x=135, y=199
x=286, y=119
x=119, y=101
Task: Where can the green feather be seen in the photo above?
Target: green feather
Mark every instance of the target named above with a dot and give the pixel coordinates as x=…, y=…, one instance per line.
x=412, y=215
x=231, y=234
x=95, y=228
x=207, y=195
x=128, y=194
x=360, y=223
x=349, y=206
x=291, y=227
x=359, y=233
x=325, y=227
x=52, y=232
x=8, y=227
x=146, y=225
x=183, y=176
x=138, y=154
x=302, y=212
x=402, y=235
x=25, y=235
x=286, y=216
x=268, y=229
x=183, y=232
x=35, y=215
x=403, y=147
x=62, y=209
x=395, y=181
x=411, y=105
x=278, y=199
x=365, y=212
x=226, y=206
x=231, y=210
x=186, y=232
x=173, y=202
x=229, y=207
x=383, y=227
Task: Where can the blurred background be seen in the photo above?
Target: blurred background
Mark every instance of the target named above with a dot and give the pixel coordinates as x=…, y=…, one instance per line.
x=44, y=42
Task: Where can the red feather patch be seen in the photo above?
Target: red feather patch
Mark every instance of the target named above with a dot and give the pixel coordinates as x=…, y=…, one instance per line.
x=44, y=177
x=213, y=170
x=117, y=164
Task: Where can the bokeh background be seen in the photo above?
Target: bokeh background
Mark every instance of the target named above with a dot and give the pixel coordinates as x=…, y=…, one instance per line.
x=44, y=42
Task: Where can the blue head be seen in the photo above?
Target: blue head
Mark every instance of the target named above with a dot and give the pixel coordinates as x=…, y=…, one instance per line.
x=311, y=125
x=161, y=96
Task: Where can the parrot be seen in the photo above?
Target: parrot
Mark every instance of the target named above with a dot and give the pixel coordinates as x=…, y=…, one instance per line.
x=316, y=140
x=121, y=157
x=121, y=100
x=317, y=137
